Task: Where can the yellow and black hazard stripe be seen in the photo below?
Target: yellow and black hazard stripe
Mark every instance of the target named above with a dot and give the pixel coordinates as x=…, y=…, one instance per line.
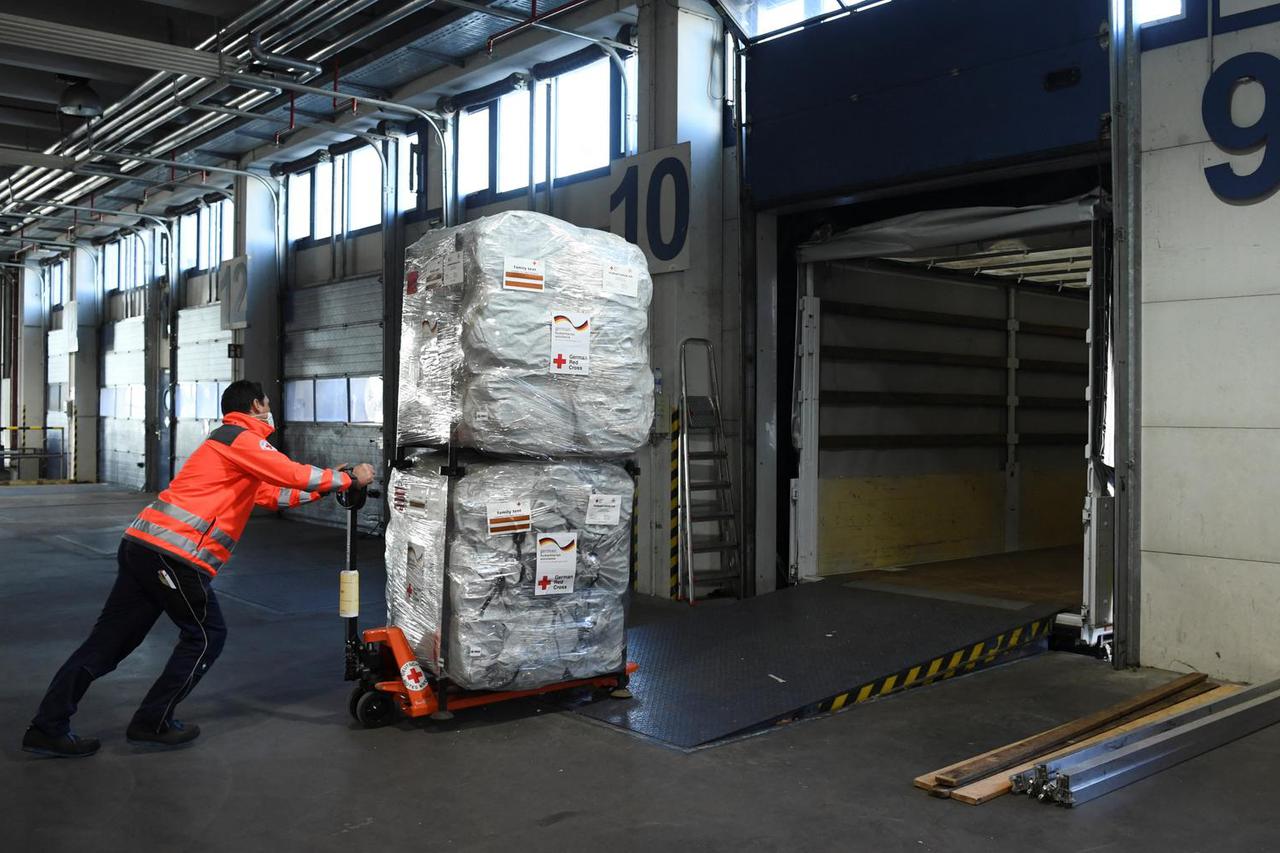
x=675, y=502
x=965, y=659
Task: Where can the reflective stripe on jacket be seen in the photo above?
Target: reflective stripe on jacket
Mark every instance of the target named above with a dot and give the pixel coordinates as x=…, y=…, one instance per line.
x=202, y=514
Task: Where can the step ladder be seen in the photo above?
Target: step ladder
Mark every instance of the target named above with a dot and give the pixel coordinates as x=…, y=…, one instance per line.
x=710, y=532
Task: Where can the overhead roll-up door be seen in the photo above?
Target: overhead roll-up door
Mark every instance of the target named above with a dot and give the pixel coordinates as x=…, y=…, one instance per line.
x=204, y=370
x=57, y=377
x=333, y=383
x=122, y=404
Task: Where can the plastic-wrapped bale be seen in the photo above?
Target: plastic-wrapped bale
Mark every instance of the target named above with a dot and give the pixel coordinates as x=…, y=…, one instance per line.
x=415, y=542
x=430, y=348
x=539, y=644
x=510, y=628
x=530, y=336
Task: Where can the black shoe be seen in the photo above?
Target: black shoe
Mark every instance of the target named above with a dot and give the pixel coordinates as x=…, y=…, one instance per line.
x=65, y=746
x=173, y=734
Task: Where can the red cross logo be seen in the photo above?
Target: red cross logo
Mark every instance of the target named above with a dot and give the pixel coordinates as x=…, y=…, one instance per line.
x=559, y=361
x=413, y=676
x=544, y=583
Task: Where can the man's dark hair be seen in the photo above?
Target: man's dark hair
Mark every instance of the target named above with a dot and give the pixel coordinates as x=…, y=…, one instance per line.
x=240, y=395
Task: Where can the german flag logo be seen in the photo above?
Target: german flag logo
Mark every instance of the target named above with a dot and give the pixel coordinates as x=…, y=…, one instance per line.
x=561, y=318
x=547, y=540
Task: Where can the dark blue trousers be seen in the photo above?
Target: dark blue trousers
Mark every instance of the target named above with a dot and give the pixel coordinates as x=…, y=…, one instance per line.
x=147, y=584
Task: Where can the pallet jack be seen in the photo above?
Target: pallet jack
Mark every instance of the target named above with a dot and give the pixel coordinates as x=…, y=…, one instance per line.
x=389, y=680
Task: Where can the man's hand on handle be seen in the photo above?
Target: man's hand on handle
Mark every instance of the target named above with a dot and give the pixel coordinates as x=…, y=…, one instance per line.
x=362, y=473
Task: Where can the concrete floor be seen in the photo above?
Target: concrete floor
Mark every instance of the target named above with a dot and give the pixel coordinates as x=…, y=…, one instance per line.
x=280, y=765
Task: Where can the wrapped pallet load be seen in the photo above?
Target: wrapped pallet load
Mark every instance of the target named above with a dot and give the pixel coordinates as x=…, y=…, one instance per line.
x=527, y=338
x=522, y=334
x=539, y=561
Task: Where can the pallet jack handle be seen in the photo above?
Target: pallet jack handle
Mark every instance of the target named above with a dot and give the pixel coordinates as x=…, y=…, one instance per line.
x=352, y=500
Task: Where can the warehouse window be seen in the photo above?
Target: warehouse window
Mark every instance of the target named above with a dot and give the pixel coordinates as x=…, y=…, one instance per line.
x=366, y=399
x=141, y=257
x=513, y=139
x=111, y=266
x=364, y=170
x=582, y=127
x=188, y=241
x=1155, y=11
x=327, y=207
x=226, y=230
x=299, y=189
x=631, y=120
x=204, y=224
x=56, y=276
x=339, y=399
x=473, y=151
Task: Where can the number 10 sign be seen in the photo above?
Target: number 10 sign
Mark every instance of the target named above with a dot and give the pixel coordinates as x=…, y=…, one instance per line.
x=649, y=205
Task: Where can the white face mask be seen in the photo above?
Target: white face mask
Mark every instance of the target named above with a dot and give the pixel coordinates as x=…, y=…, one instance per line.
x=267, y=419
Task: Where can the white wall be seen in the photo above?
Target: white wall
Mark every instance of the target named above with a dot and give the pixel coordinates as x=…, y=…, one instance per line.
x=1210, y=460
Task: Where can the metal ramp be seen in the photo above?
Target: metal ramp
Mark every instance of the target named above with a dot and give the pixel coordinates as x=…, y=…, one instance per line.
x=710, y=532
x=710, y=674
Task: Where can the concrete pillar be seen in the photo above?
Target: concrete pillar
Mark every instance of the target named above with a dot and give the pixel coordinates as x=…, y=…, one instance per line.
x=258, y=236
x=680, y=45
x=31, y=366
x=84, y=367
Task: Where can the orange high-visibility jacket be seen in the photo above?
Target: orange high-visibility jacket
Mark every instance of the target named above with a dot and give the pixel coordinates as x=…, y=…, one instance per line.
x=200, y=517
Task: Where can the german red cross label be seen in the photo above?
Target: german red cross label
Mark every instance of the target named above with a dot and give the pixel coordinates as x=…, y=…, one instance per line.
x=570, y=344
x=557, y=563
x=413, y=676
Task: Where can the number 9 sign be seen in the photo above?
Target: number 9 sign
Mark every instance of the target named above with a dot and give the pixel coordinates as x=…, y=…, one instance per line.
x=1215, y=109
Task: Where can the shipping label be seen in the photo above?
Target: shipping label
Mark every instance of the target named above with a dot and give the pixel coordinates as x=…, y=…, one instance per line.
x=604, y=509
x=622, y=281
x=523, y=274
x=557, y=563
x=509, y=517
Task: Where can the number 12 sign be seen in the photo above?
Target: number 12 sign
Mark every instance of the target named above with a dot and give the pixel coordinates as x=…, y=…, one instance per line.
x=649, y=205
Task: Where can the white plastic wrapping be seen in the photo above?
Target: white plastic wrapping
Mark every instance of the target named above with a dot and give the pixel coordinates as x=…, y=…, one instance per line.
x=415, y=557
x=477, y=351
x=505, y=633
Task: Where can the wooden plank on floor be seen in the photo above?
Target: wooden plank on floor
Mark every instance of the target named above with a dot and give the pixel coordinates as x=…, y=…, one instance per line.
x=929, y=781
x=985, y=790
x=997, y=760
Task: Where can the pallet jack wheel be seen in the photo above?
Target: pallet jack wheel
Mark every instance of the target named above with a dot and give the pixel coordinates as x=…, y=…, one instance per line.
x=354, y=699
x=374, y=709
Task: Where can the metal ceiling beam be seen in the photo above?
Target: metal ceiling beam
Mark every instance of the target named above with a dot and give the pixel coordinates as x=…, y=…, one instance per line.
x=158, y=220
x=34, y=119
x=21, y=157
x=16, y=30
x=37, y=60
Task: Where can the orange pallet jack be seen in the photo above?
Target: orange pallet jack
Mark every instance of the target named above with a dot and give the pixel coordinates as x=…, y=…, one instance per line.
x=390, y=683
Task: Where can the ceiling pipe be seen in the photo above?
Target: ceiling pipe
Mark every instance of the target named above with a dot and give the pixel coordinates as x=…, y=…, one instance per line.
x=372, y=28
x=277, y=62
x=159, y=221
x=14, y=238
x=294, y=37
x=30, y=180
x=430, y=118
x=272, y=188
x=523, y=23
x=138, y=104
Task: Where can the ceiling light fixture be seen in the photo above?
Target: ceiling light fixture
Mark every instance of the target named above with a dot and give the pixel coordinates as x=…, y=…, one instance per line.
x=79, y=99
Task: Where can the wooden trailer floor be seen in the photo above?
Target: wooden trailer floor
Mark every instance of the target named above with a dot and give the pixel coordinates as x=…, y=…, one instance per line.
x=1045, y=576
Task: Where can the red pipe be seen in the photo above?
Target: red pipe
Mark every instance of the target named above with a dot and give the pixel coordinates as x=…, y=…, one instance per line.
x=534, y=18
